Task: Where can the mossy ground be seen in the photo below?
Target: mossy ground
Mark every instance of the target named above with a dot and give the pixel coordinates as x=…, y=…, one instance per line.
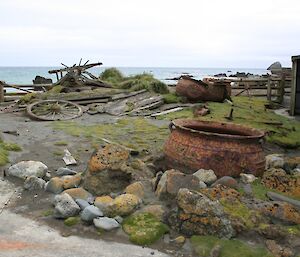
x=251, y=112
x=171, y=98
x=229, y=248
x=61, y=143
x=144, y=228
x=5, y=148
x=136, y=133
x=71, y=221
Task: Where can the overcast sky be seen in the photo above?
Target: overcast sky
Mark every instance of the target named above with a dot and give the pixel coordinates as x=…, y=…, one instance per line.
x=170, y=33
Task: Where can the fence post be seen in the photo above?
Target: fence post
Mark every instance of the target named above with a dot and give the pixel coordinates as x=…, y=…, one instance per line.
x=269, y=90
x=281, y=89
x=1, y=93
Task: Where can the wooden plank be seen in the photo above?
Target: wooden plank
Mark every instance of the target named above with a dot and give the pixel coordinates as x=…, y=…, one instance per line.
x=294, y=87
x=269, y=90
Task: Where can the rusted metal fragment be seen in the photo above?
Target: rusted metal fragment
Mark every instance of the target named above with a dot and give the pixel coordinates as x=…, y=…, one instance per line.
x=227, y=149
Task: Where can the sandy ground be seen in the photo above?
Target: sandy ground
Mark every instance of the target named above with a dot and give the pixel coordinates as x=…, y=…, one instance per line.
x=23, y=230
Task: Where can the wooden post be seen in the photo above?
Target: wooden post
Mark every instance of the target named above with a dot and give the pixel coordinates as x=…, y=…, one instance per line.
x=1, y=93
x=269, y=90
x=281, y=89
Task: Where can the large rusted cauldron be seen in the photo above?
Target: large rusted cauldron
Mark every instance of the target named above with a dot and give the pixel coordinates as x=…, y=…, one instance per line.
x=228, y=149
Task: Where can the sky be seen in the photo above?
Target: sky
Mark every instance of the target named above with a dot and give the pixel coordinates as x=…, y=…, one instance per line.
x=156, y=33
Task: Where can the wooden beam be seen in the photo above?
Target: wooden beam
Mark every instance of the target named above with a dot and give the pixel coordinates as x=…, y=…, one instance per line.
x=1, y=93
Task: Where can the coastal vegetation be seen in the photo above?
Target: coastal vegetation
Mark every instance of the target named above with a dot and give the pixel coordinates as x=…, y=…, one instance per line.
x=5, y=148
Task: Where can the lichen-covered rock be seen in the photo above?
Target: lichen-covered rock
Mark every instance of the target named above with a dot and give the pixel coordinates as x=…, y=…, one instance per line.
x=277, y=250
x=155, y=209
x=199, y=215
x=71, y=181
x=172, y=180
x=108, y=170
x=144, y=228
x=26, y=169
x=65, y=206
x=123, y=205
x=34, y=183
x=206, y=176
x=274, y=161
x=55, y=185
x=136, y=188
x=278, y=179
x=79, y=193
x=275, y=209
x=221, y=192
x=106, y=223
x=102, y=202
x=226, y=181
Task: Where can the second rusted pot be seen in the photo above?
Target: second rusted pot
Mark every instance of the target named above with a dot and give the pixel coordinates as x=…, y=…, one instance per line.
x=227, y=149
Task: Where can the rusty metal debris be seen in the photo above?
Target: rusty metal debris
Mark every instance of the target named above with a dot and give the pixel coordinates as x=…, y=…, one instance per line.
x=197, y=90
x=228, y=149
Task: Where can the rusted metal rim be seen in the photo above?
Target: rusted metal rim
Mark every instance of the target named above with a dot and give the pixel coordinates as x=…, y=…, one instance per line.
x=218, y=129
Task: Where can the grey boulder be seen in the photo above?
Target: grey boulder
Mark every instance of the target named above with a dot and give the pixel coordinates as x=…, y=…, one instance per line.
x=65, y=206
x=206, y=176
x=106, y=223
x=91, y=212
x=25, y=169
x=82, y=203
x=65, y=171
x=34, y=183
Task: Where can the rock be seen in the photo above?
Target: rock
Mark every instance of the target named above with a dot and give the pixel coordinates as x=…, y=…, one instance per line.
x=202, y=185
x=172, y=180
x=155, y=180
x=156, y=209
x=55, y=185
x=144, y=228
x=179, y=240
x=65, y=171
x=247, y=178
x=65, y=206
x=295, y=172
x=123, y=205
x=282, y=211
x=102, y=202
x=199, y=215
x=47, y=176
x=226, y=181
x=271, y=231
x=71, y=181
x=221, y=191
x=82, y=203
x=136, y=188
x=274, y=161
x=206, y=176
x=106, y=223
x=79, y=193
x=34, y=183
x=90, y=212
x=41, y=80
x=275, y=66
x=119, y=219
x=215, y=251
x=277, y=250
x=278, y=197
x=278, y=179
x=108, y=170
x=26, y=169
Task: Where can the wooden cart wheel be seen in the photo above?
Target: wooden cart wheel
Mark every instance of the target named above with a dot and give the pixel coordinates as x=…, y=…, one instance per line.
x=51, y=110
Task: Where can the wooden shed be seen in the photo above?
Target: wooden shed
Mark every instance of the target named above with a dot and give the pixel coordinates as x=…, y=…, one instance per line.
x=295, y=90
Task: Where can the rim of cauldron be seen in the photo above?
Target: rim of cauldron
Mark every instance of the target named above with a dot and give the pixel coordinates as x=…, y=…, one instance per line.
x=181, y=123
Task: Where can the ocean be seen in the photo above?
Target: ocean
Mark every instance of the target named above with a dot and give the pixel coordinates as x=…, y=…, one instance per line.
x=25, y=75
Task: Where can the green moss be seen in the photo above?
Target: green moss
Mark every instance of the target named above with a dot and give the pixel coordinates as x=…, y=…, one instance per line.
x=144, y=228
x=25, y=99
x=171, y=98
x=47, y=213
x=56, y=89
x=5, y=148
x=61, y=143
x=229, y=248
x=293, y=230
x=136, y=133
x=71, y=221
x=238, y=210
x=58, y=153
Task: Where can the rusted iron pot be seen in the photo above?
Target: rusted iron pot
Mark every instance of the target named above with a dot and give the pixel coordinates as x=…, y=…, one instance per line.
x=227, y=149
x=197, y=90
